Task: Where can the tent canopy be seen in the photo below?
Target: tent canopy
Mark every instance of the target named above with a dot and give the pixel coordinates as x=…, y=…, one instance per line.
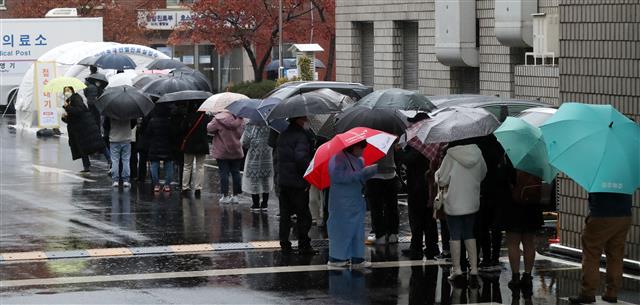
x=66, y=57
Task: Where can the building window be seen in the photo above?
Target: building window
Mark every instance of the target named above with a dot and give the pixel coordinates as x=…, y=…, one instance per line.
x=366, y=53
x=410, y=55
x=2, y=6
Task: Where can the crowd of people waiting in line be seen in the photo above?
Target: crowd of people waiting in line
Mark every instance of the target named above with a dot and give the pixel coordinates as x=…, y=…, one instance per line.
x=471, y=188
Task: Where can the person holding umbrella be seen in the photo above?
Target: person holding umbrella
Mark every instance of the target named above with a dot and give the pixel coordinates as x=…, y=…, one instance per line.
x=294, y=149
x=461, y=173
x=84, y=133
x=96, y=82
x=195, y=147
x=227, y=129
x=159, y=134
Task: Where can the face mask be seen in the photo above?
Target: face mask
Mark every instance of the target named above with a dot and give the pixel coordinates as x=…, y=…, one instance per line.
x=67, y=94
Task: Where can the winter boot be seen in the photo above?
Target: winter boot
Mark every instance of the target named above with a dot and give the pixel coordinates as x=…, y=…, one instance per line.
x=456, y=271
x=470, y=244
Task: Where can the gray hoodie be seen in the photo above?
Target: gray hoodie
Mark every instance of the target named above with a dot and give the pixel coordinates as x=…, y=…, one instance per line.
x=462, y=171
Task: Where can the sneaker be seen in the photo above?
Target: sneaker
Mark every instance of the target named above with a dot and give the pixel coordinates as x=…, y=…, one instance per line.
x=371, y=239
x=381, y=241
x=365, y=264
x=86, y=170
x=264, y=206
x=392, y=238
x=224, y=199
x=126, y=184
x=338, y=264
x=116, y=184
x=233, y=199
x=255, y=207
x=157, y=189
x=444, y=255
x=166, y=189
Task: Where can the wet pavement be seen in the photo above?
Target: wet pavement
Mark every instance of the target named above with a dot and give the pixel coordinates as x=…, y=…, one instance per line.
x=47, y=205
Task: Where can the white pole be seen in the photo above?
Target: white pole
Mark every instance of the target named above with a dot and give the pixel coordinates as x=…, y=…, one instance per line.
x=280, y=61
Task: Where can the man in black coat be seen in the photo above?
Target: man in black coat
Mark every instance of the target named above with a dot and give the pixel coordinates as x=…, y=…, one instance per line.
x=195, y=146
x=294, y=147
x=84, y=133
x=96, y=83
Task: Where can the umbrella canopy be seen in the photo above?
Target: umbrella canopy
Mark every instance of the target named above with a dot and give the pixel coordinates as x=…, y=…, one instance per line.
x=199, y=79
x=184, y=96
x=290, y=63
x=378, y=144
x=57, y=85
x=306, y=104
x=454, y=123
x=248, y=108
x=596, y=146
x=164, y=85
x=97, y=77
x=387, y=120
x=110, y=61
x=124, y=103
x=165, y=63
x=122, y=79
x=526, y=148
x=395, y=98
x=324, y=124
x=143, y=79
x=219, y=102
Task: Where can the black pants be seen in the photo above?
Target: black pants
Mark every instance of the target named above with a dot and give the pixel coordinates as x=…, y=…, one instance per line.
x=489, y=236
x=382, y=197
x=142, y=165
x=86, y=162
x=294, y=200
x=133, y=162
x=422, y=224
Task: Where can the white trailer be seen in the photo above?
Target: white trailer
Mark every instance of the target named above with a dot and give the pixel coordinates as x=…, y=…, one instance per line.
x=22, y=41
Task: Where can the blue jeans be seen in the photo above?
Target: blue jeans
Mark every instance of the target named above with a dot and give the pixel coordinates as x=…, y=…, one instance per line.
x=461, y=226
x=120, y=151
x=168, y=172
x=230, y=166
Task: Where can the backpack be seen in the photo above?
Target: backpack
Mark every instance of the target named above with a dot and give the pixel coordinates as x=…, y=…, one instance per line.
x=530, y=190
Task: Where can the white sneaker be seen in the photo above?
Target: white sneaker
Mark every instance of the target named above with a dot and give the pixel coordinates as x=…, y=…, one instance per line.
x=224, y=199
x=233, y=199
x=381, y=241
x=365, y=264
x=116, y=184
x=371, y=239
x=392, y=238
x=338, y=264
x=126, y=184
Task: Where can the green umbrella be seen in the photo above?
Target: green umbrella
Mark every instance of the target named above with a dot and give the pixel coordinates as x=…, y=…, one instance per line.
x=525, y=147
x=595, y=145
x=57, y=85
x=398, y=99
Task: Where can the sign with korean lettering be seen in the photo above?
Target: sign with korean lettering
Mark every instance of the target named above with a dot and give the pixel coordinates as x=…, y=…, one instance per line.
x=164, y=19
x=46, y=102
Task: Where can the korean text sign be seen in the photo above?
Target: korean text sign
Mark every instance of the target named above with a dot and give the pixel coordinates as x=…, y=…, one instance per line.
x=47, y=102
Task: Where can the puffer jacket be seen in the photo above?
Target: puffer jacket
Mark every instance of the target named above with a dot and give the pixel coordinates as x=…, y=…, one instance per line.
x=160, y=138
x=226, y=130
x=462, y=171
x=84, y=132
x=294, y=148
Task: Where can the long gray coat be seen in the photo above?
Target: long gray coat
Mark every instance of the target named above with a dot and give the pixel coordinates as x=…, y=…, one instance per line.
x=258, y=165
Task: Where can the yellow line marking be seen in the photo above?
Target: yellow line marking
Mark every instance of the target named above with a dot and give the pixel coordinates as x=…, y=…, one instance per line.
x=23, y=256
x=110, y=252
x=191, y=248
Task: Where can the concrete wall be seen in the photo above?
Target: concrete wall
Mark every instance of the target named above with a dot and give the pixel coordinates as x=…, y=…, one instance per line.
x=600, y=64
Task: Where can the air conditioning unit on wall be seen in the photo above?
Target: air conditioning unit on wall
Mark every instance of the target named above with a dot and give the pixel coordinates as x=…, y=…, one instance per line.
x=546, y=39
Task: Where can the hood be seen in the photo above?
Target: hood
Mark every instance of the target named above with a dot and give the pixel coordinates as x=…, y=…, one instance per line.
x=228, y=120
x=467, y=155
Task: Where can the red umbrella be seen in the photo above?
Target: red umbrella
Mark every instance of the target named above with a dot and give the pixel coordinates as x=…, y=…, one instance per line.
x=378, y=144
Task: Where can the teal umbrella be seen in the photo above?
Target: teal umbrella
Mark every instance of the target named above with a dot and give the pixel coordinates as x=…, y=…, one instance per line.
x=525, y=146
x=596, y=146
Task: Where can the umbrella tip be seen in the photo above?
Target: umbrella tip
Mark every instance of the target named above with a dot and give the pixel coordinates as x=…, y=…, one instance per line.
x=610, y=124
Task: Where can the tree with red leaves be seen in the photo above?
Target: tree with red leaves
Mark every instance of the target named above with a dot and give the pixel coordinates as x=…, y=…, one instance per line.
x=120, y=18
x=253, y=25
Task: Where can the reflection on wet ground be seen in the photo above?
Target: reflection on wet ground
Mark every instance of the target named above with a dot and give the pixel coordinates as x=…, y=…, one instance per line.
x=51, y=206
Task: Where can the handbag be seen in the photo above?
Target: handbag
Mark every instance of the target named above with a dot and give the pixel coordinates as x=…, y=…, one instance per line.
x=440, y=199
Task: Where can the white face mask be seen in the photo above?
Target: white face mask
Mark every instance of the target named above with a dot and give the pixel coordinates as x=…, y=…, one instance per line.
x=67, y=94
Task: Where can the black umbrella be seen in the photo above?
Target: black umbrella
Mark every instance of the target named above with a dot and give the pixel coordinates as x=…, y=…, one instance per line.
x=305, y=104
x=165, y=63
x=387, y=120
x=395, y=98
x=124, y=103
x=110, y=61
x=162, y=86
x=97, y=77
x=187, y=95
x=199, y=79
x=143, y=79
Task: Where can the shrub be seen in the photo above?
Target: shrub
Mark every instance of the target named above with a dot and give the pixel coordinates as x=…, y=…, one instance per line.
x=305, y=73
x=282, y=80
x=254, y=89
